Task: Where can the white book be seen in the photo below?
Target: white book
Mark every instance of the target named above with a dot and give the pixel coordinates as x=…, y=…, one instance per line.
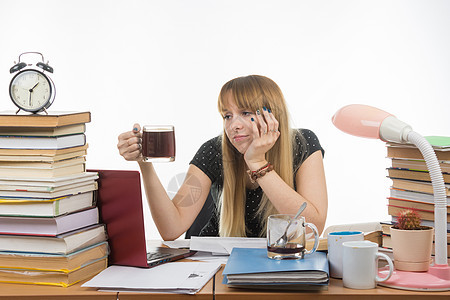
x=28, y=142
x=61, y=244
x=48, y=226
x=40, y=207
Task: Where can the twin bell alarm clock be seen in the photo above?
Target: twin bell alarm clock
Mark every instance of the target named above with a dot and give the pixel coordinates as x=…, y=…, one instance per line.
x=31, y=89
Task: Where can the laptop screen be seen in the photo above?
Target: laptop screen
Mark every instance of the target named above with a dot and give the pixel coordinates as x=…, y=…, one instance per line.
x=120, y=206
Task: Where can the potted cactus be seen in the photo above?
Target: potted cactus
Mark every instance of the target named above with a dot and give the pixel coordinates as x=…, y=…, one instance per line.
x=411, y=242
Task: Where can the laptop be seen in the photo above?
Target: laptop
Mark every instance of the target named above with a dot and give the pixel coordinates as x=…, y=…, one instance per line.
x=119, y=200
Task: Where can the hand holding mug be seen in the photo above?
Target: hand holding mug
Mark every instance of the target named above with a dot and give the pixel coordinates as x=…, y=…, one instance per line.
x=129, y=144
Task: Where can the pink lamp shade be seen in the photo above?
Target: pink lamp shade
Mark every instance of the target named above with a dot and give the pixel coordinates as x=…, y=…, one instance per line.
x=360, y=120
x=371, y=122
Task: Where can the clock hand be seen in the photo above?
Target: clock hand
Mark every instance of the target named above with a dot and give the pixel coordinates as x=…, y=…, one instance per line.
x=34, y=86
x=30, y=98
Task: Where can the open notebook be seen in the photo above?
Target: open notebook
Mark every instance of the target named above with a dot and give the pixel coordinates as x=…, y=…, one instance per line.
x=120, y=204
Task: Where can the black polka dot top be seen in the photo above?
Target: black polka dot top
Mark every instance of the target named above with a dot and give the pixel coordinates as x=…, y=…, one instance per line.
x=209, y=159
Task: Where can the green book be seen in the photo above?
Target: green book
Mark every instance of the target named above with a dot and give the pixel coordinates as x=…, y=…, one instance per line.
x=439, y=141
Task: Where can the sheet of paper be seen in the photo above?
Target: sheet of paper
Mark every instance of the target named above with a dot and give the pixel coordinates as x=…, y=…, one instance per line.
x=224, y=245
x=176, y=277
x=209, y=257
x=181, y=243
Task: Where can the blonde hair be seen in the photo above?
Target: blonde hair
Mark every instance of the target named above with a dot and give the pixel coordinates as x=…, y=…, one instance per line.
x=252, y=92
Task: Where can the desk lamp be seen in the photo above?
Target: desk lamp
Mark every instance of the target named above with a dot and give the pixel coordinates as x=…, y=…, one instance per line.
x=370, y=122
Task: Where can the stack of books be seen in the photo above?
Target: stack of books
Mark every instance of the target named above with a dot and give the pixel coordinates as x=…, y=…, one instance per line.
x=411, y=183
x=50, y=231
x=251, y=268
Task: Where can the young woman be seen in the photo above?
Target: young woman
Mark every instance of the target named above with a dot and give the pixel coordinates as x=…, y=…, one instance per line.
x=259, y=166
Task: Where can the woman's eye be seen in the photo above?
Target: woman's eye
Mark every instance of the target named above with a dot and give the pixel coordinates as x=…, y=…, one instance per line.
x=247, y=113
x=226, y=117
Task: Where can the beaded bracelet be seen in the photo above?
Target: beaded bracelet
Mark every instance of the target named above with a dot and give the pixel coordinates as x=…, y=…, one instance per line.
x=254, y=175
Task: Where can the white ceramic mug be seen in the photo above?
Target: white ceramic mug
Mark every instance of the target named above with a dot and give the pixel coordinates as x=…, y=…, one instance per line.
x=360, y=263
x=335, y=250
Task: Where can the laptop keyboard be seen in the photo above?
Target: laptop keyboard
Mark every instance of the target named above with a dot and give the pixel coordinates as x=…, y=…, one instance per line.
x=156, y=255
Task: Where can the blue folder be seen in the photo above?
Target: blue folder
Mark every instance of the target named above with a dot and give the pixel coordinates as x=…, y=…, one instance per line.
x=251, y=260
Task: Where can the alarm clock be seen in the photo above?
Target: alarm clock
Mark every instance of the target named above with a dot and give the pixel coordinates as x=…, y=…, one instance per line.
x=32, y=89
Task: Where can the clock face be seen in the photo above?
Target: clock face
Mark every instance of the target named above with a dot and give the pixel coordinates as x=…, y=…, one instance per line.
x=31, y=90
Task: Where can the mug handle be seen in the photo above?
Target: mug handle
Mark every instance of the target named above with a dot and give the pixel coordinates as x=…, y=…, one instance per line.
x=316, y=238
x=391, y=266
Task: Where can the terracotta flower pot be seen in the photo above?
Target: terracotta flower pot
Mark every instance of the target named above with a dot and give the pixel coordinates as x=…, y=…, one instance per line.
x=412, y=248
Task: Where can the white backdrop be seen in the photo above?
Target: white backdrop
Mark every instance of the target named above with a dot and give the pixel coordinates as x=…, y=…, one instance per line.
x=165, y=61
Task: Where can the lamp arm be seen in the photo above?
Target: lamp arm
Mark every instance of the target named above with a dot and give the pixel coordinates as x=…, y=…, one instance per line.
x=440, y=197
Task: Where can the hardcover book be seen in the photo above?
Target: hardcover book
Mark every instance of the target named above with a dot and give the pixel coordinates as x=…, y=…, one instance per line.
x=54, y=262
x=35, y=142
x=38, y=207
x=40, y=154
x=48, y=226
x=57, y=278
x=52, y=119
x=61, y=244
x=39, y=131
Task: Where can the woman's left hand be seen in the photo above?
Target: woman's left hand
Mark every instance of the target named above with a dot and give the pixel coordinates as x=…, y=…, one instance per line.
x=265, y=135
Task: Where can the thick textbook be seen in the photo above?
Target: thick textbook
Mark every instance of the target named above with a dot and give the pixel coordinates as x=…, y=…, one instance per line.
x=50, y=184
x=52, y=119
x=42, y=158
x=251, y=266
x=413, y=196
x=56, y=278
x=413, y=153
x=413, y=204
x=440, y=144
x=39, y=131
x=40, y=154
x=418, y=165
x=81, y=187
x=414, y=175
x=54, y=262
x=422, y=222
x=49, y=226
x=61, y=244
x=39, y=207
x=427, y=215
x=39, y=142
x=416, y=186
x=43, y=169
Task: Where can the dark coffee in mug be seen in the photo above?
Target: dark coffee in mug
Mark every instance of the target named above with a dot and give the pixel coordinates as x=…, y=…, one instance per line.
x=158, y=143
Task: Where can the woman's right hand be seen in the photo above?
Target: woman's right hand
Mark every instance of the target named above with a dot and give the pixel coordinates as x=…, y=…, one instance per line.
x=129, y=144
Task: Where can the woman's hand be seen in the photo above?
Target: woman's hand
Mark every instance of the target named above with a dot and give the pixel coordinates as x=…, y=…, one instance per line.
x=129, y=144
x=265, y=135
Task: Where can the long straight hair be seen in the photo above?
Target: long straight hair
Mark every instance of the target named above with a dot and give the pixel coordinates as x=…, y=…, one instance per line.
x=252, y=92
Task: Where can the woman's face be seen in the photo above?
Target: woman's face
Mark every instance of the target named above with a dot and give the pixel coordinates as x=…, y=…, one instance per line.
x=238, y=124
